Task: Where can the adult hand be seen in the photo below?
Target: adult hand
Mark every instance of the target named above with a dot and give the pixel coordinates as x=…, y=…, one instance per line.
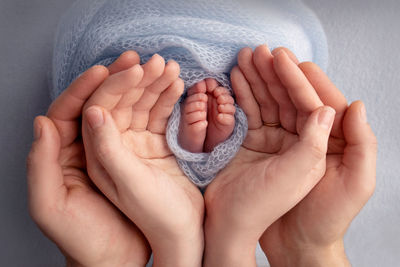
x=311, y=234
x=87, y=228
x=280, y=161
x=128, y=158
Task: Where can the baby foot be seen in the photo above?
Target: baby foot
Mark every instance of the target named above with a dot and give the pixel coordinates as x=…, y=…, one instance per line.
x=220, y=115
x=193, y=127
x=207, y=117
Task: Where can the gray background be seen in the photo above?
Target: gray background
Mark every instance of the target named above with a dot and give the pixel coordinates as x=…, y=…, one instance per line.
x=364, y=38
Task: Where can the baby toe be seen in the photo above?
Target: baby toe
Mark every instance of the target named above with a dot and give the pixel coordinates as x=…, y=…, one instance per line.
x=225, y=99
x=226, y=119
x=195, y=116
x=199, y=87
x=195, y=106
x=200, y=97
x=227, y=109
x=212, y=84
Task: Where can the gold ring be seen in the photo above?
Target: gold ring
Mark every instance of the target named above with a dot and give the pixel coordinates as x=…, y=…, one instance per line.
x=272, y=124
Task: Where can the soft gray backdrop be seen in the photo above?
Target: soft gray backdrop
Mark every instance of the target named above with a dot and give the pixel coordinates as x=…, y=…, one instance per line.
x=364, y=38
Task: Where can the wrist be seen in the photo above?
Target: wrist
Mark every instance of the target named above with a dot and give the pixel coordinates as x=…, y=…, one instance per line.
x=185, y=252
x=69, y=262
x=226, y=246
x=309, y=255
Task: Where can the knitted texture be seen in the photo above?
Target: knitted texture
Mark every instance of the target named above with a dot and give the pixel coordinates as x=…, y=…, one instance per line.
x=203, y=36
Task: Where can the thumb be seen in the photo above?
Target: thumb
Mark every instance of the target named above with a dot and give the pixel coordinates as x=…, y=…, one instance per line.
x=359, y=159
x=44, y=173
x=105, y=150
x=305, y=160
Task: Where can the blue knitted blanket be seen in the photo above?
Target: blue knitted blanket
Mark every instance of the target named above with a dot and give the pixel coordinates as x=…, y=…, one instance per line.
x=203, y=36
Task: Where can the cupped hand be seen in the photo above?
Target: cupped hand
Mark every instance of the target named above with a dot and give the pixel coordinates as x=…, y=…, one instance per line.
x=280, y=161
x=124, y=127
x=64, y=203
x=312, y=232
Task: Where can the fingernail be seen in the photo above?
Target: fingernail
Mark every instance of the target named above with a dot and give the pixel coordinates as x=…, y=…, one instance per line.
x=37, y=129
x=363, y=113
x=277, y=52
x=326, y=117
x=169, y=61
x=95, y=117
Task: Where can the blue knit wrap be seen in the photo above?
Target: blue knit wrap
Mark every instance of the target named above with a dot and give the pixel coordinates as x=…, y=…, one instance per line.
x=203, y=36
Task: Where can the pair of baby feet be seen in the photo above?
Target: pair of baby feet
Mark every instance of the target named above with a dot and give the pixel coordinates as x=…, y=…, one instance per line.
x=207, y=117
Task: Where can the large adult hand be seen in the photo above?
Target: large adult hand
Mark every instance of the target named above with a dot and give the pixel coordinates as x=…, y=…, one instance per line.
x=311, y=234
x=128, y=158
x=277, y=165
x=87, y=228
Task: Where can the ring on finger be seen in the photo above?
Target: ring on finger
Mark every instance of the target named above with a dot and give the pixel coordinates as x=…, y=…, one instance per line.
x=272, y=124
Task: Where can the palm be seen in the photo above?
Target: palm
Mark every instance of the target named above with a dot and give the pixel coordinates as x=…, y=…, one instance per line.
x=335, y=197
x=165, y=182
x=253, y=178
x=152, y=150
x=139, y=101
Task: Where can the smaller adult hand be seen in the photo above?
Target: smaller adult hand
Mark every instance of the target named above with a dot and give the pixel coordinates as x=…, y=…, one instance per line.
x=311, y=234
x=64, y=203
x=277, y=165
x=128, y=158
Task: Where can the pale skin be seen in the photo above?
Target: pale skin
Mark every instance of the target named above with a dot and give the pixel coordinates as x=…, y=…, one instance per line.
x=311, y=233
x=346, y=186
x=228, y=221
x=207, y=117
x=124, y=124
x=62, y=200
x=266, y=174
x=126, y=93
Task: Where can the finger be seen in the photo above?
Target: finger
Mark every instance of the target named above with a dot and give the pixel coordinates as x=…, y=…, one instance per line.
x=96, y=171
x=245, y=98
x=359, y=159
x=301, y=92
x=67, y=108
x=328, y=93
x=152, y=70
x=311, y=148
x=161, y=111
x=263, y=60
x=268, y=106
x=111, y=91
x=44, y=173
x=125, y=61
x=141, y=110
x=291, y=55
x=105, y=149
